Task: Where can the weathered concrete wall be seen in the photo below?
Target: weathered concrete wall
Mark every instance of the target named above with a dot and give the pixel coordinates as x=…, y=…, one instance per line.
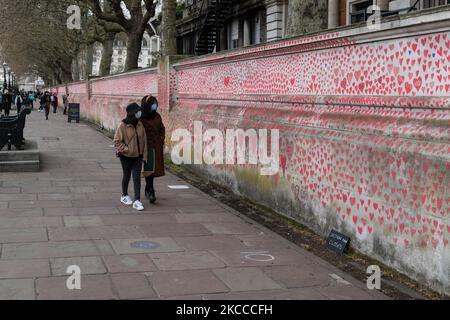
x=364, y=119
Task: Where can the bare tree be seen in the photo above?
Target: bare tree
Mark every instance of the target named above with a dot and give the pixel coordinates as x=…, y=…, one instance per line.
x=306, y=16
x=134, y=24
x=169, y=31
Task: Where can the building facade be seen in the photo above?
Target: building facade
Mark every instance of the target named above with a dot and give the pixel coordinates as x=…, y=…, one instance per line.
x=209, y=26
x=213, y=25
x=347, y=12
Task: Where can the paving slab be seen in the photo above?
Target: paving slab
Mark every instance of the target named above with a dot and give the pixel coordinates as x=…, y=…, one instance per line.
x=176, y=283
x=80, y=211
x=56, y=249
x=246, y=279
x=17, y=197
x=190, y=260
x=30, y=222
x=216, y=242
x=175, y=230
x=62, y=196
x=18, y=213
x=135, y=219
x=93, y=287
x=249, y=258
x=47, y=190
x=94, y=233
x=19, y=235
x=39, y=204
x=231, y=228
x=132, y=286
x=292, y=294
x=17, y=289
x=264, y=242
x=9, y=190
x=129, y=263
x=88, y=265
x=17, y=269
x=206, y=217
x=344, y=292
x=299, y=276
x=83, y=221
x=128, y=246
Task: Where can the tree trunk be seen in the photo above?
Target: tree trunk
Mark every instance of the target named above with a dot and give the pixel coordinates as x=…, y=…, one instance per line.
x=108, y=50
x=307, y=16
x=75, y=70
x=169, y=31
x=89, y=61
x=133, y=50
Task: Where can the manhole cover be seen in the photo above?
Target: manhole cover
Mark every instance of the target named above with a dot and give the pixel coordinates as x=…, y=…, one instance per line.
x=145, y=245
x=50, y=138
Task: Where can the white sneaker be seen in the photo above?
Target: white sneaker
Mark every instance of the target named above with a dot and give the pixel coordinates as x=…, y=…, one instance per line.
x=126, y=201
x=138, y=205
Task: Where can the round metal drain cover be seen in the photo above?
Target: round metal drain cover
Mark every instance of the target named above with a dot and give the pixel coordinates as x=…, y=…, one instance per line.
x=145, y=245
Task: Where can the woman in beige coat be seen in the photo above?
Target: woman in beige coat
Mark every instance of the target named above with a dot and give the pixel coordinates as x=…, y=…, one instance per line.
x=130, y=141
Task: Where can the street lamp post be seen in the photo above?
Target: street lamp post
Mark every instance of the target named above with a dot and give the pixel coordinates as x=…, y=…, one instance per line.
x=4, y=75
x=9, y=78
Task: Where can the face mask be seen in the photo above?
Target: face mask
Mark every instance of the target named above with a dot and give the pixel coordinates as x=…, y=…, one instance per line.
x=154, y=107
x=139, y=114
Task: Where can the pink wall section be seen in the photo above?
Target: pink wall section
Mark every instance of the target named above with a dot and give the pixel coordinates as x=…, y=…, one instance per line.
x=364, y=126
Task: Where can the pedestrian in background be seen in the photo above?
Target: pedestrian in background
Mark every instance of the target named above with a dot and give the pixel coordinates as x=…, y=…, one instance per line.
x=7, y=100
x=41, y=102
x=130, y=142
x=18, y=102
x=1, y=103
x=54, y=102
x=31, y=99
x=66, y=103
x=45, y=103
x=156, y=134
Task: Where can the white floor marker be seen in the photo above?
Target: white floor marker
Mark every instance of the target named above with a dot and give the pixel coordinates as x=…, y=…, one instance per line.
x=179, y=187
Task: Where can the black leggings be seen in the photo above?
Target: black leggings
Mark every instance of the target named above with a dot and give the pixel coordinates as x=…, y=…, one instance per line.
x=132, y=166
x=149, y=184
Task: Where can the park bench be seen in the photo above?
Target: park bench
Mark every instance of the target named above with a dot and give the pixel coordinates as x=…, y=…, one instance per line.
x=11, y=130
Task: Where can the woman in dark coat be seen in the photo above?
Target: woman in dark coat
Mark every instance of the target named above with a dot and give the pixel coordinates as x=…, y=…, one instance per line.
x=156, y=133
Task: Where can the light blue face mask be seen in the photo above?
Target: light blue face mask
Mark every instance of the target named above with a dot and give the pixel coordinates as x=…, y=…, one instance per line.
x=139, y=114
x=154, y=107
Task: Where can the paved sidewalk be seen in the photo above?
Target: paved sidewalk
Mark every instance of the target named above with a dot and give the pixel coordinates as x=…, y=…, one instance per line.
x=70, y=214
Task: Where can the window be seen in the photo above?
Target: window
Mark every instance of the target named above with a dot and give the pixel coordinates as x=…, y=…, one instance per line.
x=145, y=43
x=233, y=34
x=358, y=11
x=434, y=3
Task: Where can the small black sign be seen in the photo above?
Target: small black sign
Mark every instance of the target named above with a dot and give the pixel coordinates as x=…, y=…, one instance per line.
x=74, y=112
x=337, y=242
